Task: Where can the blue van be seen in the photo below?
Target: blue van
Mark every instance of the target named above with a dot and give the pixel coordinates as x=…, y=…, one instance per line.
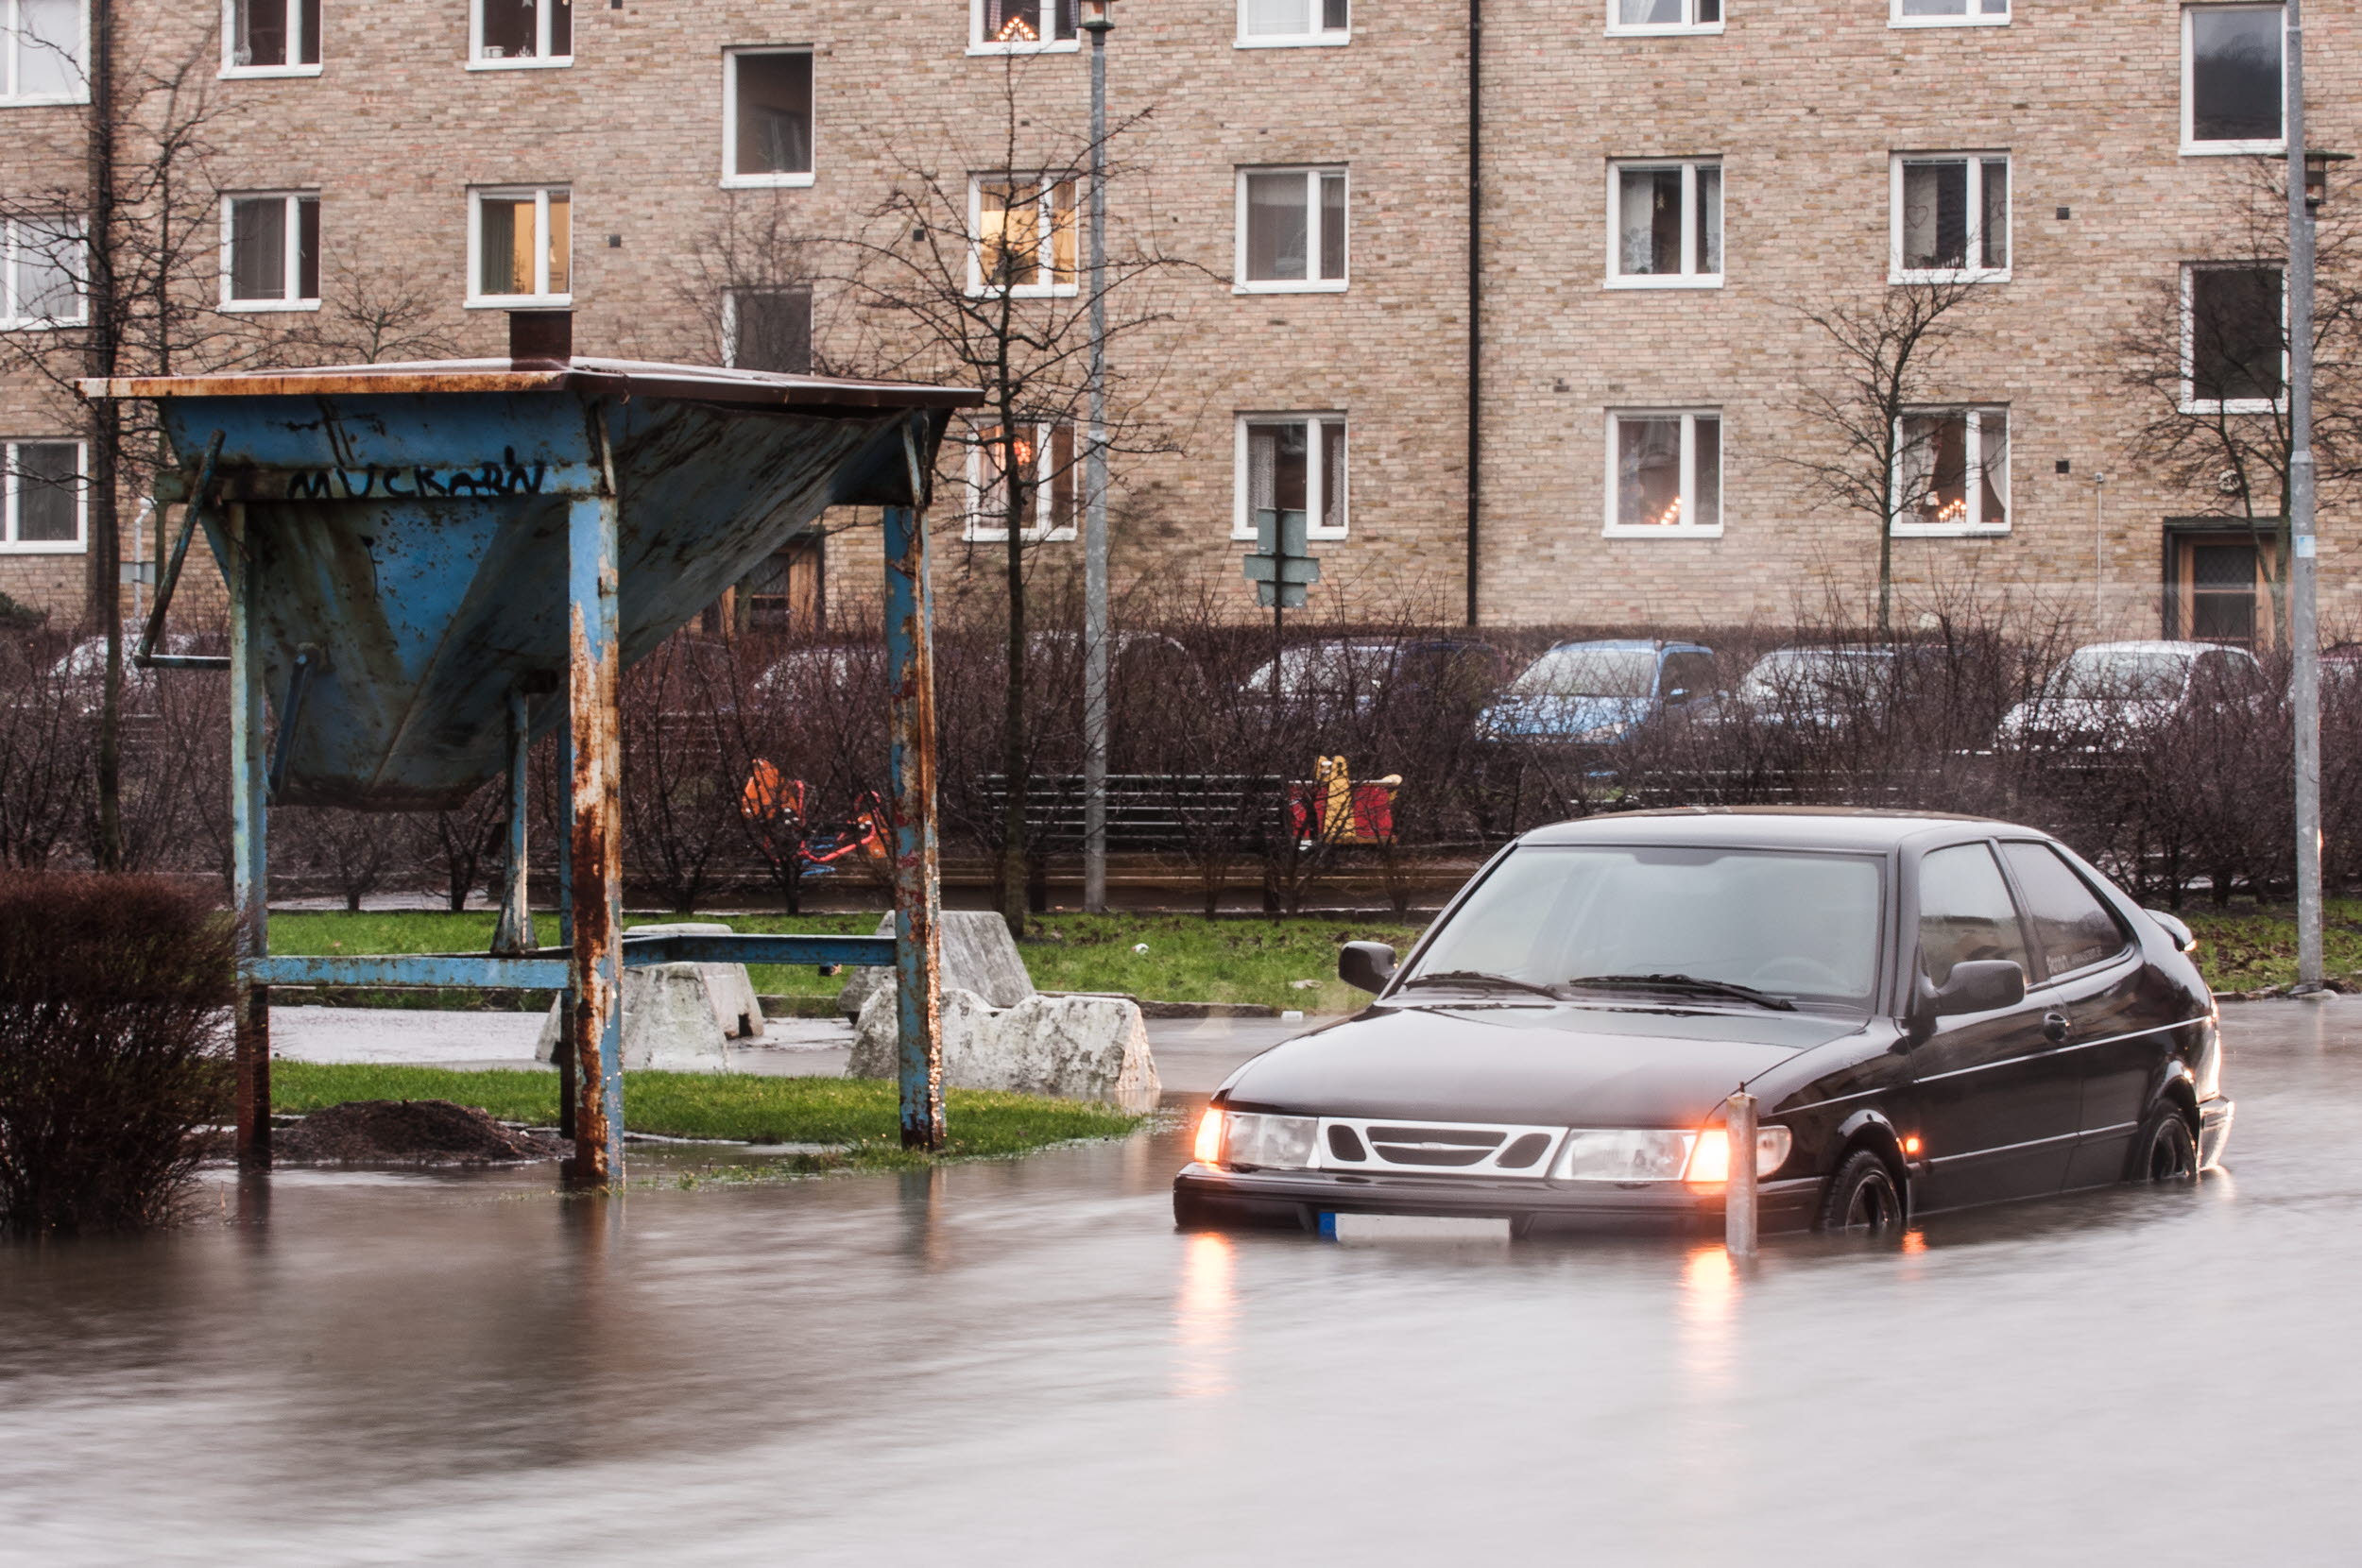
x=1598, y=693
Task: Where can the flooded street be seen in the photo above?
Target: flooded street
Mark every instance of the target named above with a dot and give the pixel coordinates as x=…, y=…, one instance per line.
x=1022, y=1362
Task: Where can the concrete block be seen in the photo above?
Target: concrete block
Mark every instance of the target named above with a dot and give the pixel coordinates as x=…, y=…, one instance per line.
x=979, y=955
x=735, y=1006
x=669, y=1022
x=1079, y=1047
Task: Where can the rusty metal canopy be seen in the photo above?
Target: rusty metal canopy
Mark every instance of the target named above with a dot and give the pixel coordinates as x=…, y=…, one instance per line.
x=409, y=522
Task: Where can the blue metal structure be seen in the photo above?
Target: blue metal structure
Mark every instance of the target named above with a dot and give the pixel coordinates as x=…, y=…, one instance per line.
x=430, y=565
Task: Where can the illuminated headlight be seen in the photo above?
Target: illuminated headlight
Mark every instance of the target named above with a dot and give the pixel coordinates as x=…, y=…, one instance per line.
x=1276, y=1143
x=1622, y=1156
x=1710, y=1161
x=2210, y=1059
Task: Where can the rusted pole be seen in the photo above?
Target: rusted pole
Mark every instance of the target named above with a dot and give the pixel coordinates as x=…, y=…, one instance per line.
x=570, y=997
x=911, y=715
x=594, y=1024
x=515, y=932
x=249, y=838
x=1739, y=1191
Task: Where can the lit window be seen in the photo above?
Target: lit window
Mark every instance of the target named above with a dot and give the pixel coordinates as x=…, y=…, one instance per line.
x=766, y=105
x=1954, y=473
x=272, y=253
x=1292, y=231
x=1024, y=227
x=522, y=33
x=1269, y=24
x=43, y=263
x=767, y=329
x=270, y=37
x=1046, y=455
x=1665, y=472
x=1948, y=14
x=523, y=242
x=2232, y=95
x=41, y=52
x=1665, y=224
x=1664, y=16
x=1292, y=463
x=2234, y=343
x=1021, y=26
x=1951, y=218
x=42, y=509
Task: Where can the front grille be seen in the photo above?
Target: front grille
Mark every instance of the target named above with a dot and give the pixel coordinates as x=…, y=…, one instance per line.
x=1349, y=1143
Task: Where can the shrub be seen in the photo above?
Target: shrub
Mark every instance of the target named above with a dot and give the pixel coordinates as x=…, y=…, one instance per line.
x=113, y=1048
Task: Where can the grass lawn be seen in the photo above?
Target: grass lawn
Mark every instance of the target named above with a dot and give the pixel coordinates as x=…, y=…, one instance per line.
x=854, y=1111
x=1188, y=959
x=2245, y=947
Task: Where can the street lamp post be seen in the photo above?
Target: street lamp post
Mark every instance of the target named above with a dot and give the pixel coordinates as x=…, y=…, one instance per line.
x=1097, y=21
x=2304, y=636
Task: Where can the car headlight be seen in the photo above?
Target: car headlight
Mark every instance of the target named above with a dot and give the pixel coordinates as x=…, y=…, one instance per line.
x=1276, y=1143
x=1710, y=1161
x=1622, y=1155
x=2209, y=1073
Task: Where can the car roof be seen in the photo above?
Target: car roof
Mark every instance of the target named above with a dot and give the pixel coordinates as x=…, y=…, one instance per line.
x=2151, y=645
x=1759, y=826
x=1633, y=645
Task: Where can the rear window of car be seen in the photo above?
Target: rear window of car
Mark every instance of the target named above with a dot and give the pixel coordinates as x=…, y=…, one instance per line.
x=2072, y=927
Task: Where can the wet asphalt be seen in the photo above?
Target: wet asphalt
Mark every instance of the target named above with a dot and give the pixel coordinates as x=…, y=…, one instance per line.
x=1021, y=1361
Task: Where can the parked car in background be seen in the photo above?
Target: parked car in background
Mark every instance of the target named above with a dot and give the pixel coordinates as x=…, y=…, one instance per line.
x=1354, y=676
x=81, y=671
x=1822, y=687
x=1598, y=693
x=2109, y=694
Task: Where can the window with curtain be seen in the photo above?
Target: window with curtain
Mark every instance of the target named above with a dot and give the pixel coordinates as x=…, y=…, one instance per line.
x=526, y=32
x=1955, y=472
x=272, y=38
x=41, y=52
x=1263, y=22
x=523, y=244
x=1293, y=462
x=1011, y=26
x=1665, y=472
x=1668, y=220
x=43, y=268
x=1025, y=234
x=1046, y=454
x=274, y=252
x=1951, y=218
x=1664, y=16
x=1292, y=231
x=41, y=497
x=769, y=104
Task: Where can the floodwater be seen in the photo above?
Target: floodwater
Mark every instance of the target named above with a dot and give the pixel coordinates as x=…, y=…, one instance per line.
x=1022, y=1362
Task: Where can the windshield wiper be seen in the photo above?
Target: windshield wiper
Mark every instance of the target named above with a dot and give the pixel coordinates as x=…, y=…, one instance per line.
x=1689, y=983
x=1476, y=976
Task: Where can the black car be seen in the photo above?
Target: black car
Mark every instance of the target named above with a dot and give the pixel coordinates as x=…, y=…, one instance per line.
x=1930, y=1011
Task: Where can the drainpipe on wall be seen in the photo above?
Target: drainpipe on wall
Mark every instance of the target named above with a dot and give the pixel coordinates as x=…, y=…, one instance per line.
x=1475, y=283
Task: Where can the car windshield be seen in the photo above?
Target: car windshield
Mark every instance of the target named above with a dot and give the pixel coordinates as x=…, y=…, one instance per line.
x=2121, y=675
x=1576, y=671
x=1809, y=674
x=1798, y=925
x=1329, y=669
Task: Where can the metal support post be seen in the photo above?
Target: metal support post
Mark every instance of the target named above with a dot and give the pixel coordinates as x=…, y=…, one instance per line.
x=249, y=834
x=595, y=1031
x=1738, y=1189
x=911, y=720
x=1095, y=627
x=514, y=934
x=2304, y=636
x=569, y=999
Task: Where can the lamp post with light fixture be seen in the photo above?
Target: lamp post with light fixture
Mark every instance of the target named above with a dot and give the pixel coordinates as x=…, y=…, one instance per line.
x=1098, y=23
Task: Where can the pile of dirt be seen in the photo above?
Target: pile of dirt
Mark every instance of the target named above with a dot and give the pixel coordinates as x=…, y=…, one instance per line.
x=431, y=1132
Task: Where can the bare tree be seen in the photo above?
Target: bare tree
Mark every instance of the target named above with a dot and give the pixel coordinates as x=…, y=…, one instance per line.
x=371, y=317
x=1873, y=458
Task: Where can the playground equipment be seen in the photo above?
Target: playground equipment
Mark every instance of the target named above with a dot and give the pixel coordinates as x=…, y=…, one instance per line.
x=430, y=565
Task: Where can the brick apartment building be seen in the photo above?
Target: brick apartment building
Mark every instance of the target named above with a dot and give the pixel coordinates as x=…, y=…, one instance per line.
x=1664, y=185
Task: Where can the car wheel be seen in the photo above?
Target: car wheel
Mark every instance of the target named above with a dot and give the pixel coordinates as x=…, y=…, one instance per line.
x=1862, y=1197
x=2165, y=1149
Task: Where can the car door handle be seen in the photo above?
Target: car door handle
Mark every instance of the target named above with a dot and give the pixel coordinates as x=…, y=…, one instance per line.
x=2054, y=1027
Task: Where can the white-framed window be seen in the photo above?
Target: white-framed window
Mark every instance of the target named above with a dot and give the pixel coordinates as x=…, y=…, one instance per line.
x=1951, y=216
x=1292, y=231
x=1024, y=228
x=270, y=37
x=44, y=505
x=1665, y=474
x=1664, y=16
x=1953, y=472
x=506, y=35
x=1292, y=23
x=1665, y=223
x=520, y=245
x=2233, y=94
x=1292, y=462
x=44, y=273
x=270, y=251
x=767, y=329
x=766, y=117
x=1948, y=14
x=43, y=46
x=1048, y=456
x=2234, y=338
x=1021, y=26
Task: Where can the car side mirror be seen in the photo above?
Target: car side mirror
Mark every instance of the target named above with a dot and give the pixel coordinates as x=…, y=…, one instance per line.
x=1365, y=965
x=1978, y=986
x=2184, y=939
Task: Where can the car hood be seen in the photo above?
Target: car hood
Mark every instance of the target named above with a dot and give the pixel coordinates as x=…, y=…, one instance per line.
x=2081, y=716
x=1560, y=715
x=1580, y=1066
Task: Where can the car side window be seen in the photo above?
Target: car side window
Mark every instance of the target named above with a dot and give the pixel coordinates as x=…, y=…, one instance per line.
x=2073, y=929
x=1965, y=912
x=1686, y=676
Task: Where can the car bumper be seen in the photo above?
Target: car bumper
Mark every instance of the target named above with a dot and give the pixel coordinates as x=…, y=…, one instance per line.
x=2214, y=1131
x=1299, y=1198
